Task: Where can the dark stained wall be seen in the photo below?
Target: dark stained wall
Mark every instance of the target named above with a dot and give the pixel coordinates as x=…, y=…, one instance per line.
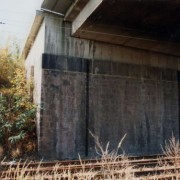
x=110, y=99
x=63, y=125
x=108, y=89
x=143, y=106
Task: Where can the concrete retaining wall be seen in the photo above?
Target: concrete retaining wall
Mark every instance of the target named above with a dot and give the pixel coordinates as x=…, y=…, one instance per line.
x=110, y=90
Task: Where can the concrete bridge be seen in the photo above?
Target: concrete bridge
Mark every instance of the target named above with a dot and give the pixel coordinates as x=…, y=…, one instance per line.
x=106, y=66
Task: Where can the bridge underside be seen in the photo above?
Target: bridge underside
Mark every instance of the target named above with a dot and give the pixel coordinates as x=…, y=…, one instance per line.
x=112, y=68
x=145, y=24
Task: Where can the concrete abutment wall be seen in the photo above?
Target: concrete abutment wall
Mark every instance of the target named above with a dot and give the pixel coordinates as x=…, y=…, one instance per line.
x=108, y=89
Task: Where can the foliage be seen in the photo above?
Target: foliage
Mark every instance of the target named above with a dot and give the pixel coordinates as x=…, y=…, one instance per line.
x=7, y=68
x=17, y=112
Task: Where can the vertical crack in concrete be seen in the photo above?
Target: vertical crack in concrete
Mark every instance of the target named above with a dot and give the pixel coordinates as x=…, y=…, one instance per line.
x=148, y=130
x=178, y=78
x=87, y=109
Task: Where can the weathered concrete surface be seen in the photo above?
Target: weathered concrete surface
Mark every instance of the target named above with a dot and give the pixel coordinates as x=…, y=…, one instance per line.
x=59, y=41
x=108, y=89
x=63, y=116
x=137, y=100
x=33, y=66
x=146, y=110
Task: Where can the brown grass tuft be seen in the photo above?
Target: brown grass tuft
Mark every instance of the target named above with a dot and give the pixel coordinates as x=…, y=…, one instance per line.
x=1, y=151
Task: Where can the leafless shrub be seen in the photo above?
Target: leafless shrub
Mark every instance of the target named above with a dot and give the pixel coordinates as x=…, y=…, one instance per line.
x=114, y=165
x=172, y=150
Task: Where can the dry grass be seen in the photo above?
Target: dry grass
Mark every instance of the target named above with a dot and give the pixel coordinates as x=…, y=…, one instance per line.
x=1, y=151
x=108, y=169
x=109, y=160
x=171, y=150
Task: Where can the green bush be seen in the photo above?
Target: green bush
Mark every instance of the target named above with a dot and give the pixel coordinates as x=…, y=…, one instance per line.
x=17, y=111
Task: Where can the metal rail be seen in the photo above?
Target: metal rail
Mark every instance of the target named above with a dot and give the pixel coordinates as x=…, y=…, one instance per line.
x=132, y=159
x=142, y=166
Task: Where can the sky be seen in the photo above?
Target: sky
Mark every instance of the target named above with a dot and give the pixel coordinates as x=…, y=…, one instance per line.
x=16, y=18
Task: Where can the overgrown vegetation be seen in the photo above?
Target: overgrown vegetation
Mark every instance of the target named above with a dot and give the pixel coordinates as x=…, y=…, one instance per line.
x=17, y=112
x=110, y=166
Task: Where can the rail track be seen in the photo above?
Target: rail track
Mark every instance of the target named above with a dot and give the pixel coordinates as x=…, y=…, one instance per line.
x=132, y=159
x=143, y=166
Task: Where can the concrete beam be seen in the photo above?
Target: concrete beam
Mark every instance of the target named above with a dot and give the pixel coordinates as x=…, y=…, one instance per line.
x=75, y=9
x=84, y=14
x=113, y=35
x=33, y=33
x=58, y=6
